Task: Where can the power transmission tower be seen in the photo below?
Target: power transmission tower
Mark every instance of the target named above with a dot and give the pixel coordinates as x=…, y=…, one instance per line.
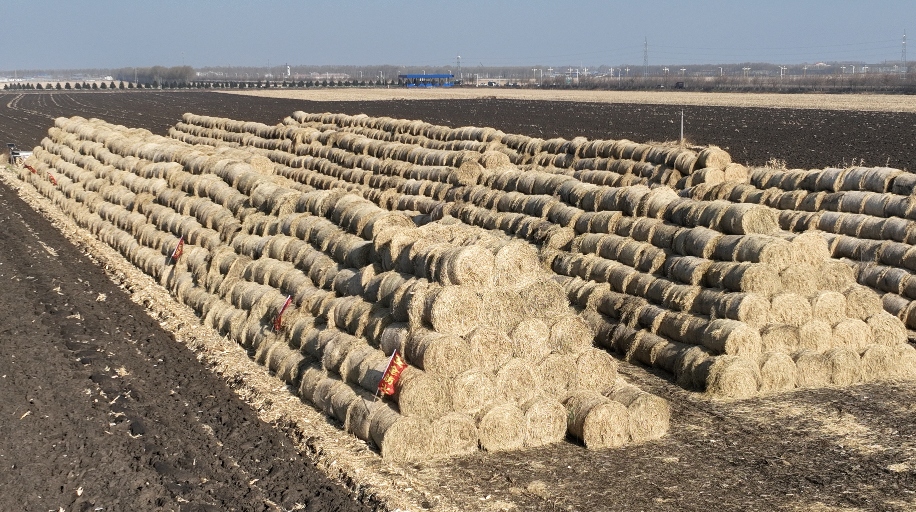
x=645, y=57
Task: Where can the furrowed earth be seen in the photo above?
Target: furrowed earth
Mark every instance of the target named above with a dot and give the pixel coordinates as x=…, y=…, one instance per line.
x=113, y=399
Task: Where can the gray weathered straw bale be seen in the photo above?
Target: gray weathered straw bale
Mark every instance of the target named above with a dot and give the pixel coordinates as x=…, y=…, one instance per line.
x=400, y=438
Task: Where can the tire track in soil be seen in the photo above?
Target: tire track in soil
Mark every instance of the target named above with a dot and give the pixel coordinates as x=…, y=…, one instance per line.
x=102, y=408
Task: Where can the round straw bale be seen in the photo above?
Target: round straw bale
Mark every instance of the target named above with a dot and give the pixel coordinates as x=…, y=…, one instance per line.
x=558, y=375
x=452, y=309
x=712, y=156
x=311, y=377
x=545, y=421
x=906, y=355
x=749, y=308
x=887, y=329
x=779, y=338
x=853, y=334
x=394, y=337
x=530, y=339
x=879, y=362
x=732, y=337
x=358, y=414
x=400, y=438
x=777, y=372
x=829, y=306
x=801, y=279
x=545, y=299
x=811, y=248
x=501, y=309
x=597, y=370
x=815, y=335
x=421, y=394
x=438, y=353
x=472, y=265
x=790, y=309
x=845, y=366
x=745, y=218
x=501, y=427
x=649, y=415
x=515, y=264
x=570, y=335
x=862, y=302
x=597, y=421
x=471, y=391
x=515, y=382
x=835, y=275
x=454, y=434
x=494, y=346
x=732, y=377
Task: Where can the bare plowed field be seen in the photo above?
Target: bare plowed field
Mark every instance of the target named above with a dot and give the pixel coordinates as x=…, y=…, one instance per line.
x=104, y=406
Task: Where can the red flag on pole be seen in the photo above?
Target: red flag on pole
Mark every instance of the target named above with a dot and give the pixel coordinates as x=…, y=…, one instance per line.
x=278, y=320
x=396, y=366
x=29, y=167
x=179, y=249
x=51, y=179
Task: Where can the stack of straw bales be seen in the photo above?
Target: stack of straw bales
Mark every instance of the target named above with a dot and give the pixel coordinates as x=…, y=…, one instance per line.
x=497, y=358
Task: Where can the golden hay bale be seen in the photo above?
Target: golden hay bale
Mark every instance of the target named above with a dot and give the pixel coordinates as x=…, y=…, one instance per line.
x=760, y=278
x=570, y=334
x=597, y=421
x=454, y=434
x=779, y=338
x=545, y=299
x=452, y=309
x=494, y=346
x=829, y=306
x=881, y=362
x=401, y=438
x=530, y=339
x=749, y=308
x=887, y=329
x=596, y=369
x=438, y=353
x=862, y=302
x=745, y=218
x=712, y=156
x=472, y=265
x=471, y=391
x=515, y=264
x=558, y=375
x=515, y=382
x=814, y=369
x=811, y=248
x=649, y=414
x=545, y=421
x=501, y=427
x=801, y=279
x=853, y=334
x=501, y=309
x=421, y=394
x=777, y=372
x=732, y=377
x=815, y=335
x=790, y=309
x=845, y=366
x=835, y=276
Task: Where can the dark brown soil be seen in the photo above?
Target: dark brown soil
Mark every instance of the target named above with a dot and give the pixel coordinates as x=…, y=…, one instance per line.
x=808, y=138
x=97, y=396
x=100, y=409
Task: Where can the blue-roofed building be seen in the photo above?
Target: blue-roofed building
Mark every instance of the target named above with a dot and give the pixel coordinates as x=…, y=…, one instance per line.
x=440, y=80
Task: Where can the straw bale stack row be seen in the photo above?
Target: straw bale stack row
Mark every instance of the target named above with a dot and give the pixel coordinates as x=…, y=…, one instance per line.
x=695, y=262
x=865, y=214
x=362, y=282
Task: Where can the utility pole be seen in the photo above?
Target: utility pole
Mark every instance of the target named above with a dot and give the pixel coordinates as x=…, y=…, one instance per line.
x=645, y=58
x=903, y=55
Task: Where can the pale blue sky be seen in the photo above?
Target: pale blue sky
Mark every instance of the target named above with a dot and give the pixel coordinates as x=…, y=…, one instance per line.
x=69, y=34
